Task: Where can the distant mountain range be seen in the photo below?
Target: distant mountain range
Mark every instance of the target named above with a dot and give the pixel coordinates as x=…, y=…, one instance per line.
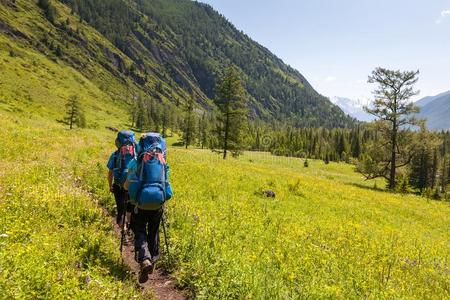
x=354, y=108
x=436, y=110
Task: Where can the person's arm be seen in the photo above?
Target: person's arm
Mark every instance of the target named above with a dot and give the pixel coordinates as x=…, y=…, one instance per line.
x=110, y=179
x=110, y=166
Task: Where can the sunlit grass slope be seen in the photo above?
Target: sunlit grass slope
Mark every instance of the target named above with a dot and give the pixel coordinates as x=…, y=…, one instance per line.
x=321, y=237
x=55, y=241
x=325, y=235
x=32, y=85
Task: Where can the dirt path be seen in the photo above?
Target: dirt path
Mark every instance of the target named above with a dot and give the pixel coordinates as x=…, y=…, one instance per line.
x=159, y=282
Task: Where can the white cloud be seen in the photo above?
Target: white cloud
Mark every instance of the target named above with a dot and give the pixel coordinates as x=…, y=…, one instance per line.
x=330, y=79
x=444, y=14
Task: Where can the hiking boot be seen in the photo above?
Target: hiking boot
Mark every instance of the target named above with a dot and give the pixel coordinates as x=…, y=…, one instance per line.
x=146, y=268
x=130, y=234
x=125, y=240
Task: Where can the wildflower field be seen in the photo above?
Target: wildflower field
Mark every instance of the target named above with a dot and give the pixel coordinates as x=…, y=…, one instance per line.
x=325, y=235
x=328, y=234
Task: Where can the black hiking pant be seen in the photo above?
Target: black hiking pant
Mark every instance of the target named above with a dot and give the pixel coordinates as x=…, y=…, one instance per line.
x=122, y=203
x=146, y=234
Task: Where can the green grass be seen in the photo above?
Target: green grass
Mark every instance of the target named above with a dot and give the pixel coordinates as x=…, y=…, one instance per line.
x=56, y=242
x=327, y=235
x=324, y=236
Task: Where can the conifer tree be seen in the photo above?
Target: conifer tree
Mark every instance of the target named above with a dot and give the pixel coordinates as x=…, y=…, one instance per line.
x=203, y=129
x=444, y=175
x=393, y=110
x=189, y=122
x=74, y=113
x=49, y=10
x=165, y=120
x=420, y=170
x=356, y=145
x=233, y=108
x=434, y=168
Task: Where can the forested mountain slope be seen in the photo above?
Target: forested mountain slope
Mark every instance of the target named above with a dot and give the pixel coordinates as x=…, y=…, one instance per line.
x=164, y=50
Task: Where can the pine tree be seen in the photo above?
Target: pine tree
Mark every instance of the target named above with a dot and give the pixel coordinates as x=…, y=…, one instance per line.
x=74, y=113
x=434, y=169
x=138, y=114
x=189, y=122
x=203, y=130
x=341, y=147
x=445, y=163
x=233, y=107
x=165, y=120
x=356, y=145
x=393, y=110
x=49, y=9
x=420, y=170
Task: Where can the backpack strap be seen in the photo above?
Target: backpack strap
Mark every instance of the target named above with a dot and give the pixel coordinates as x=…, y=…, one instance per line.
x=116, y=158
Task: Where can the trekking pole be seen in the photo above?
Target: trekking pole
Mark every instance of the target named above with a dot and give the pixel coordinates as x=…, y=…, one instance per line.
x=122, y=235
x=166, y=241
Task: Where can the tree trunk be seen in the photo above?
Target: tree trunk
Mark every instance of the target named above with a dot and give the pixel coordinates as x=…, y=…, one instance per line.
x=443, y=176
x=393, y=158
x=225, y=142
x=434, y=169
x=188, y=130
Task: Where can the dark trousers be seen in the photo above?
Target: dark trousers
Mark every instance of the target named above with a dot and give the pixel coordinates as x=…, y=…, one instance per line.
x=122, y=203
x=146, y=231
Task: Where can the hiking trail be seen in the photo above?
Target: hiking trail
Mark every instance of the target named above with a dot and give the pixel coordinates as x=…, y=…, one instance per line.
x=159, y=282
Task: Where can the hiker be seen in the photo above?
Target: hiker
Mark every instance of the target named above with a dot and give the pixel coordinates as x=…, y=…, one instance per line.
x=149, y=188
x=117, y=166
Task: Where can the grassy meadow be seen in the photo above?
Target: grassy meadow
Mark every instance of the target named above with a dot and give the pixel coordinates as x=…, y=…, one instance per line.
x=328, y=234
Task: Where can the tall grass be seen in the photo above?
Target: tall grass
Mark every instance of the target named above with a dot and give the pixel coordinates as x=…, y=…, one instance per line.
x=55, y=241
x=319, y=238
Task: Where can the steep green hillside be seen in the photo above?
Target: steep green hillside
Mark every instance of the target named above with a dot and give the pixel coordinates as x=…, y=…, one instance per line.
x=64, y=58
x=164, y=50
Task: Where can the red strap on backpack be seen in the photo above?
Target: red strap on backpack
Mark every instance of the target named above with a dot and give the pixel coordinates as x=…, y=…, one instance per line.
x=159, y=156
x=127, y=149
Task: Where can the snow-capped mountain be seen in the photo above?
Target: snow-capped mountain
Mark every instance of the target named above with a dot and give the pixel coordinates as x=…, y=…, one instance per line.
x=354, y=108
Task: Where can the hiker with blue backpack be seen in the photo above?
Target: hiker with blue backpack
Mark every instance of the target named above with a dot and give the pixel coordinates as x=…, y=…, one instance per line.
x=117, y=166
x=149, y=188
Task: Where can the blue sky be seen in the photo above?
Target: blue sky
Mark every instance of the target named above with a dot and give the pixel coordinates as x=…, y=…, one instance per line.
x=336, y=44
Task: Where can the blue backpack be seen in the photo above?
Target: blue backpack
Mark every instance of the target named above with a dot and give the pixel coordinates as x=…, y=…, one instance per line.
x=149, y=186
x=126, y=152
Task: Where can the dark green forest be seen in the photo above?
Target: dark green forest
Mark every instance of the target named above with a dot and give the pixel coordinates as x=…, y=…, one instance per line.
x=187, y=45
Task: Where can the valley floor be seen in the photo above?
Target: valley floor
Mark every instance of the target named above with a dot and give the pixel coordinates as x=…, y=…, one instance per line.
x=327, y=234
